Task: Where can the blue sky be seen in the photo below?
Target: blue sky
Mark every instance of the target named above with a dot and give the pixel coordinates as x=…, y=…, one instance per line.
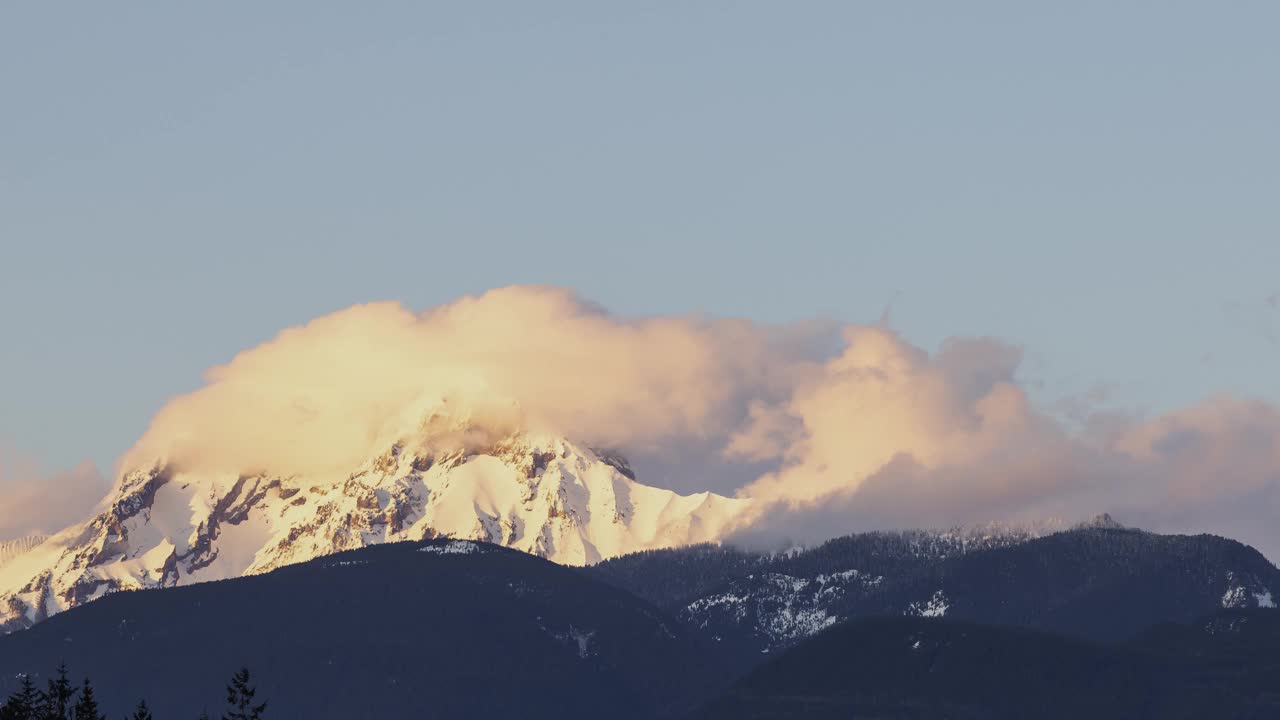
x=1096, y=182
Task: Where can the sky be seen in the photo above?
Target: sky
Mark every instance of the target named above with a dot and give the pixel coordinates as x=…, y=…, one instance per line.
x=1092, y=182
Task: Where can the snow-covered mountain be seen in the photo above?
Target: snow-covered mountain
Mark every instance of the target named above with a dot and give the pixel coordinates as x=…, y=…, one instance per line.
x=541, y=494
x=10, y=549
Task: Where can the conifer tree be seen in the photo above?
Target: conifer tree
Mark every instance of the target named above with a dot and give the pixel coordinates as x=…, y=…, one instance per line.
x=142, y=712
x=59, y=698
x=240, y=698
x=24, y=704
x=87, y=706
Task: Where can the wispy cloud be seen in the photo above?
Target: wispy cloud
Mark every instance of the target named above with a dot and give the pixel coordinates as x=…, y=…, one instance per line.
x=35, y=501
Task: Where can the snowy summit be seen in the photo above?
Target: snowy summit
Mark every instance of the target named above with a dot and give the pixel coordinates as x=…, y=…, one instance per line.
x=540, y=494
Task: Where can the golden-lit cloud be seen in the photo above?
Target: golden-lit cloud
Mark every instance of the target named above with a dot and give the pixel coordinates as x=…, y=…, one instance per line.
x=318, y=398
x=831, y=430
x=889, y=436
x=882, y=398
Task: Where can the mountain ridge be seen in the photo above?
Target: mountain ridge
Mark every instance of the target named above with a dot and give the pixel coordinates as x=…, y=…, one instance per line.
x=541, y=494
x=1095, y=580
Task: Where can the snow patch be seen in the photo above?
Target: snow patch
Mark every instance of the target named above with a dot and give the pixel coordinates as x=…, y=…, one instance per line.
x=782, y=608
x=1246, y=593
x=1235, y=596
x=935, y=606
x=454, y=547
x=581, y=638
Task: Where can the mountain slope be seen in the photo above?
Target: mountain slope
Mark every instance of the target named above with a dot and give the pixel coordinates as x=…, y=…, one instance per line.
x=1238, y=649
x=442, y=628
x=916, y=668
x=10, y=549
x=760, y=602
x=543, y=495
x=1099, y=581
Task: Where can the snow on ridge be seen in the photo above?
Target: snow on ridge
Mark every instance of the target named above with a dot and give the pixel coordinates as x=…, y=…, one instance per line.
x=10, y=549
x=454, y=547
x=1235, y=596
x=783, y=608
x=1246, y=593
x=539, y=494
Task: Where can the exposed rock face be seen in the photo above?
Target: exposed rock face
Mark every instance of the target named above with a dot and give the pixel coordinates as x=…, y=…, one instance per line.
x=543, y=495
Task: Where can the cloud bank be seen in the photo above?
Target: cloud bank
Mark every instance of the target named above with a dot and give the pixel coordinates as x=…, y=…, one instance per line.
x=887, y=435
x=832, y=429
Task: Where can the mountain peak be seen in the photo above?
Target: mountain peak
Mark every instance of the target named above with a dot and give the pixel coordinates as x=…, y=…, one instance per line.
x=1103, y=521
x=539, y=493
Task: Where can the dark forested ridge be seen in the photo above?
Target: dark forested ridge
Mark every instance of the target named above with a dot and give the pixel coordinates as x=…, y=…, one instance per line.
x=672, y=578
x=1101, y=582
x=460, y=629
x=464, y=629
x=1105, y=583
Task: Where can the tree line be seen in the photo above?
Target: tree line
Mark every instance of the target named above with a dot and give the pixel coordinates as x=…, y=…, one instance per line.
x=63, y=700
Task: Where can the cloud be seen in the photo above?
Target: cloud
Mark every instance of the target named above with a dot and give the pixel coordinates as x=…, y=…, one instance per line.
x=32, y=501
x=318, y=398
x=831, y=429
x=888, y=436
x=882, y=398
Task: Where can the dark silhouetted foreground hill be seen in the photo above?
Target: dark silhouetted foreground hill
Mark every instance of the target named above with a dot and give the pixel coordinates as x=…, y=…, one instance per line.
x=922, y=668
x=448, y=629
